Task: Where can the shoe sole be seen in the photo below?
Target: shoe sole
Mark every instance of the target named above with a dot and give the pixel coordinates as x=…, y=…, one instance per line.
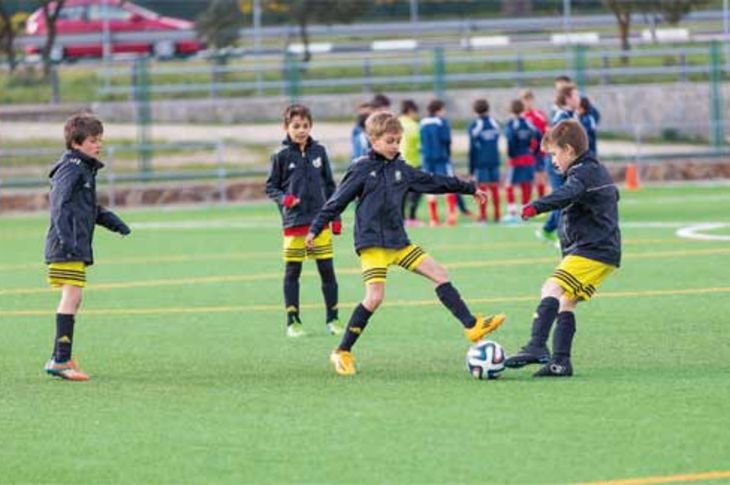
x=514, y=363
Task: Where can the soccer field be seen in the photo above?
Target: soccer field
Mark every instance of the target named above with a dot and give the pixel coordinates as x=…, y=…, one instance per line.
x=182, y=329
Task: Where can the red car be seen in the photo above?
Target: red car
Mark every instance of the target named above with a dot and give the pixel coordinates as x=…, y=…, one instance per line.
x=78, y=17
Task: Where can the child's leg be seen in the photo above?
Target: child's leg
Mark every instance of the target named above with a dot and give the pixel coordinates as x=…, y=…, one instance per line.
x=433, y=210
x=374, y=293
x=483, y=204
x=451, y=208
x=545, y=315
x=494, y=191
x=510, y=194
x=564, y=330
x=540, y=181
x=326, y=270
x=526, y=192
x=292, y=272
x=447, y=294
x=65, y=321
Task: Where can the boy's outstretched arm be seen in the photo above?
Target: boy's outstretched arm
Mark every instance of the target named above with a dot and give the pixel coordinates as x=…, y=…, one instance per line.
x=560, y=198
x=108, y=219
x=427, y=183
x=350, y=187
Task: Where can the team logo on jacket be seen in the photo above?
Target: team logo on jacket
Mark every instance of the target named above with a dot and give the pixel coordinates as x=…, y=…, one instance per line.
x=373, y=174
x=317, y=162
x=292, y=166
x=398, y=176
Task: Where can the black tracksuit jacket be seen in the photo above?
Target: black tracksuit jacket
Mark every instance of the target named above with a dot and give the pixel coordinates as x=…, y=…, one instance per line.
x=74, y=210
x=380, y=186
x=589, y=217
x=304, y=174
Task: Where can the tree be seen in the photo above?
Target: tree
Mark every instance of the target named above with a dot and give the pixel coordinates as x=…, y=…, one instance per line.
x=7, y=36
x=670, y=11
x=302, y=13
x=51, y=11
x=220, y=23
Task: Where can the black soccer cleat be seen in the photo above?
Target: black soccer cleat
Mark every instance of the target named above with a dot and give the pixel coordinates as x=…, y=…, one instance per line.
x=555, y=369
x=526, y=356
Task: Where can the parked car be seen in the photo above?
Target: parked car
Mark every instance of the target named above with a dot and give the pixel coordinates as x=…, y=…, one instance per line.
x=89, y=17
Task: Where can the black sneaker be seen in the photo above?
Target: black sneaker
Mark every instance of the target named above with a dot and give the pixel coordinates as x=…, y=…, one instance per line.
x=555, y=369
x=526, y=356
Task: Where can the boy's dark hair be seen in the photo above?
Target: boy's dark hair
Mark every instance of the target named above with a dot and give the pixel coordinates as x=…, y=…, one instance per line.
x=434, y=106
x=563, y=79
x=563, y=94
x=566, y=133
x=585, y=104
x=408, y=106
x=517, y=106
x=294, y=110
x=81, y=126
x=480, y=106
x=380, y=101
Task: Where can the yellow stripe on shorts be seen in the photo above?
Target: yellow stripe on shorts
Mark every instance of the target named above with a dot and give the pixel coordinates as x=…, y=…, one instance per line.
x=67, y=273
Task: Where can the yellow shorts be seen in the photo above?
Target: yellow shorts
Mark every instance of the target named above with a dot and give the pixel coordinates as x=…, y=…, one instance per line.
x=68, y=273
x=375, y=261
x=580, y=277
x=296, y=251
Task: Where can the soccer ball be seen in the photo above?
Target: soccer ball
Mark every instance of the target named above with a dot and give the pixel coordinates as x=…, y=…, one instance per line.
x=485, y=359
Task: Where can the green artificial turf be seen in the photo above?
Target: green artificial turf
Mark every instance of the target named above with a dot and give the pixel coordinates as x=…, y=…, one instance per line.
x=182, y=329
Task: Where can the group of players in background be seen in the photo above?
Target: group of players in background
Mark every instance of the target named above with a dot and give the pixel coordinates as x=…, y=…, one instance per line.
x=426, y=145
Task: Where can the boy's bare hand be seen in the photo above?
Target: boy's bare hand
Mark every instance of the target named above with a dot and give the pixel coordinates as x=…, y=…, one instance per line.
x=480, y=196
x=309, y=241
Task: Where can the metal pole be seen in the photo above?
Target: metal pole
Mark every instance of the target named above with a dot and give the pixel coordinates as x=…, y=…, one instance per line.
x=220, y=157
x=106, y=45
x=566, y=16
x=257, y=43
x=414, y=11
x=110, y=176
x=725, y=30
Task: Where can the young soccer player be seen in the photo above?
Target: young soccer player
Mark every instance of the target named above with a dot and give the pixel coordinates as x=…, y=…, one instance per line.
x=379, y=182
x=300, y=181
x=567, y=101
x=74, y=214
x=484, y=160
x=589, y=123
x=538, y=118
x=523, y=144
x=410, y=149
x=358, y=137
x=436, y=154
x=590, y=241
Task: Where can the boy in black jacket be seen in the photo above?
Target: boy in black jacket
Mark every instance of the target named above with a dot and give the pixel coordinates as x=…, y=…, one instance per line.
x=300, y=181
x=380, y=181
x=590, y=241
x=74, y=213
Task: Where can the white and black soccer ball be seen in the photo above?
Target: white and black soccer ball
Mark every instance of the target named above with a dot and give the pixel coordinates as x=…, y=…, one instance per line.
x=485, y=359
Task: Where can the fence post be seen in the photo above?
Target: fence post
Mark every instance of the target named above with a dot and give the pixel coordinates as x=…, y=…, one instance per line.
x=220, y=158
x=716, y=110
x=579, y=64
x=110, y=177
x=55, y=85
x=291, y=74
x=366, y=74
x=605, y=66
x=520, y=68
x=141, y=88
x=439, y=72
x=683, y=66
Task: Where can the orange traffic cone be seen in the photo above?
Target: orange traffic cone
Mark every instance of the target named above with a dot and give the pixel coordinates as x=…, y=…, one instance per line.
x=632, y=177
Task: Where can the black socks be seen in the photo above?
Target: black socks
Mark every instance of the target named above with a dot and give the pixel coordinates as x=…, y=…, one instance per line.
x=451, y=299
x=291, y=291
x=545, y=314
x=563, y=336
x=329, y=287
x=355, y=327
x=64, y=337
